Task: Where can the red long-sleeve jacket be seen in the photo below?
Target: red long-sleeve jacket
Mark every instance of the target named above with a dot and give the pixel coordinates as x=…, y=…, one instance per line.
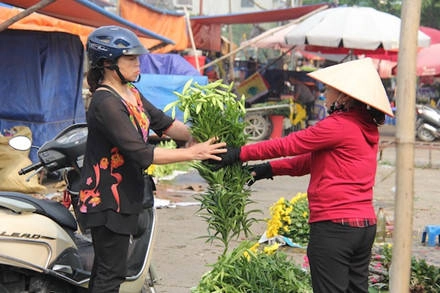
x=339, y=153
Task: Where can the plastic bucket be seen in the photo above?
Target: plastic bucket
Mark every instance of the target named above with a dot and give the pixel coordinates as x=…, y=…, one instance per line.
x=277, y=126
x=192, y=60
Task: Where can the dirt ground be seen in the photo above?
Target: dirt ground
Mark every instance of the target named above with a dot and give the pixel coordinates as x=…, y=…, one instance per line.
x=181, y=257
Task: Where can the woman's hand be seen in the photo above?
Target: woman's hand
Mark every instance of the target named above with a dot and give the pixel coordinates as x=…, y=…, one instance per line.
x=208, y=150
x=260, y=171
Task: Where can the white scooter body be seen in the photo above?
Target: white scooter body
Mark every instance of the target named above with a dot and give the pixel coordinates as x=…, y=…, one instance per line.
x=42, y=250
x=32, y=240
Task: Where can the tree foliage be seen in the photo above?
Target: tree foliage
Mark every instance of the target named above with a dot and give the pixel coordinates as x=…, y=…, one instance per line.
x=430, y=12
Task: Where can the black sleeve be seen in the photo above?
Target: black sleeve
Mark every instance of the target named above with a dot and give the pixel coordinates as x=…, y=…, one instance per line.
x=112, y=118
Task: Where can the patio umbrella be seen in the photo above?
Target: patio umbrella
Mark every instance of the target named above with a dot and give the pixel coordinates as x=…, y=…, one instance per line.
x=358, y=30
x=428, y=61
x=271, y=39
x=274, y=38
x=433, y=33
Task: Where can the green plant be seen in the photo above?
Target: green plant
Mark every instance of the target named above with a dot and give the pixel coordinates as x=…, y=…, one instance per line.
x=253, y=269
x=290, y=219
x=214, y=111
x=424, y=277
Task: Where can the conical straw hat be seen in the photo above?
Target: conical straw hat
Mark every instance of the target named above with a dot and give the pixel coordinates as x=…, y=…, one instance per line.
x=359, y=79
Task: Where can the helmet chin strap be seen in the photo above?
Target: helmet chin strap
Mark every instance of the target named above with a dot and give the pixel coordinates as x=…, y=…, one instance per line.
x=115, y=67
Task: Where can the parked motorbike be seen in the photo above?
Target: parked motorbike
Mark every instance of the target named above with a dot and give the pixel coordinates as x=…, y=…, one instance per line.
x=41, y=247
x=427, y=123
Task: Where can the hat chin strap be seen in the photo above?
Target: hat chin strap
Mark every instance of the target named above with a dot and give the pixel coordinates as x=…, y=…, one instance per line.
x=335, y=106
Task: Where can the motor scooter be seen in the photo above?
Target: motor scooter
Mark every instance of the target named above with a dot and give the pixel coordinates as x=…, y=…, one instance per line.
x=42, y=248
x=427, y=123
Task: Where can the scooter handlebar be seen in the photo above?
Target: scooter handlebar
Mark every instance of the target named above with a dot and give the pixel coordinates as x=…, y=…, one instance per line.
x=30, y=168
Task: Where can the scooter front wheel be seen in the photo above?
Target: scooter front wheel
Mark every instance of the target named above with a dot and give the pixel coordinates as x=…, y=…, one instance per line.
x=15, y=281
x=425, y=135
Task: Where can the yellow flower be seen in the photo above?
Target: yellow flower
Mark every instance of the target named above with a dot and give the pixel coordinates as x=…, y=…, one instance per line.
x=150, y=169
x=284, y=213
x=271, y=249
x=287, y=219
x=299, y=196
x=254, y=247
x=272, y=230
x=277, y=209
x=247, y=256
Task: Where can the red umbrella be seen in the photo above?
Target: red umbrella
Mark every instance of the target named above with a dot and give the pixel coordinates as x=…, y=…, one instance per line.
x=433, y=33
x=428, y=61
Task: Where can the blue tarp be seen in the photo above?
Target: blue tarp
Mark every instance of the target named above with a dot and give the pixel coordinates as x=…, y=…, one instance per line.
x=162, y=75
x=41, y=82
x=167, y=64
x=42, y=75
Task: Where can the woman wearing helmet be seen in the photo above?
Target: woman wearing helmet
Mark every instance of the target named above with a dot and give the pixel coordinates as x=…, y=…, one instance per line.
x=340, y=154
x=118, y=151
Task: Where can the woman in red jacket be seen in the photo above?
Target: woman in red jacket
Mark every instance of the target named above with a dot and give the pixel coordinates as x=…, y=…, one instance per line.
x=340, y=154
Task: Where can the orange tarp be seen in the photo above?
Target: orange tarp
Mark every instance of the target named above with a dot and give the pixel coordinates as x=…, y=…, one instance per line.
x=39, y=22
x=169, y=25
x=87, y=13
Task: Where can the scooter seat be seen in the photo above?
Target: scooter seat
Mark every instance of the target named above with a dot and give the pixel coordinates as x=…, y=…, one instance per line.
x=49, y=208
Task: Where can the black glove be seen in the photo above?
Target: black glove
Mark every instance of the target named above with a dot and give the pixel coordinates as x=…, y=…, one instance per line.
x=263, y=170
x=231, y=156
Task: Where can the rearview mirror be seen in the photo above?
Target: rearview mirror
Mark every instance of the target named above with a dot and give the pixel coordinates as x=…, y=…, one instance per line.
x=20, y=143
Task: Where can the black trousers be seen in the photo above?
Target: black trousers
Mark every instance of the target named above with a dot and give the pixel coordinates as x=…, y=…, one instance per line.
x=110, y=262
x=339, y=257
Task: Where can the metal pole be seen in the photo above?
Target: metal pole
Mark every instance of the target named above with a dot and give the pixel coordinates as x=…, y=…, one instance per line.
x=191, y=37
x=406, y=89
x=4, y=25
x=231, y=59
